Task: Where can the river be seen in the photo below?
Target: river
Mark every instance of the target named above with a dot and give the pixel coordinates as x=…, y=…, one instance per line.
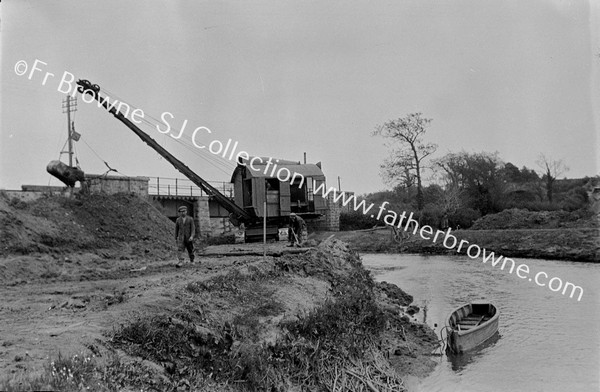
x=547, y=342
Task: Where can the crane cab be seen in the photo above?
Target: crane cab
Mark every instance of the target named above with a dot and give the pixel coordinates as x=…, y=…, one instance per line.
x=285, y=186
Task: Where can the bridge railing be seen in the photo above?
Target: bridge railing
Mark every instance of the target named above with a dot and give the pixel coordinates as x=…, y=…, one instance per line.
x=165, y=186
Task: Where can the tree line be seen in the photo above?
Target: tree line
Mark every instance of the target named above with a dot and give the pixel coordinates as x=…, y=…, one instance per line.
x=459, y=187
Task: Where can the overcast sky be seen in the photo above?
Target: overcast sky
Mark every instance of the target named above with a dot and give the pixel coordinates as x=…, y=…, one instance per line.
x=283, y=78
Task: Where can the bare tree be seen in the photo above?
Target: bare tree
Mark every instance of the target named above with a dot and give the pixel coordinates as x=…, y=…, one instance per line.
x=552, y=169
x=406, y=160
x=450, y=199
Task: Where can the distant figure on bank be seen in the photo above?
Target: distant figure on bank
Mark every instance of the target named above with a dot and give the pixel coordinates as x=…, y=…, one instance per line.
x=297, y=233
x=185, y=231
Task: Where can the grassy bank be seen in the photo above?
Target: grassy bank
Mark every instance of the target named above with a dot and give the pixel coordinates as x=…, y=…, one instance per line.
x=576, y=244
x=314, y=321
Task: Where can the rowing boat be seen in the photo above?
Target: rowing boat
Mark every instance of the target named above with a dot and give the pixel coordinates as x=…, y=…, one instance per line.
x=470, y=325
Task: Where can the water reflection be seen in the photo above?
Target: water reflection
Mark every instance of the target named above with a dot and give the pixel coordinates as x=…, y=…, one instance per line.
x=460, y=361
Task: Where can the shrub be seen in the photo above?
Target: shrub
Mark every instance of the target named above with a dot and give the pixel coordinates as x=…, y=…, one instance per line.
x=575, y=199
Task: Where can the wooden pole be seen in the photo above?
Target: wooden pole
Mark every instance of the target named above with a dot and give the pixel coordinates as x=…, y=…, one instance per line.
x=265, y=229
x=69, y=130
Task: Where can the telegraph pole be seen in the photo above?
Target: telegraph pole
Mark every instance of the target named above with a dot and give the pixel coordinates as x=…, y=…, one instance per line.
x=70, y=105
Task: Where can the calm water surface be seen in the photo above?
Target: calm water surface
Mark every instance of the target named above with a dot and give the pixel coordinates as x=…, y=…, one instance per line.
x=547, y=342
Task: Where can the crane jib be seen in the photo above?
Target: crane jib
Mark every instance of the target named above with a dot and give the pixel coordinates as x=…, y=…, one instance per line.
x=239, y=215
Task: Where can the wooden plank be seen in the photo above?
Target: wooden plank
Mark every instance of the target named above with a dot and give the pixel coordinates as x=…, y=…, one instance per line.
x=284, y=198
x=259, y=196
x=469, y=324
x=473, y=316
x=320, y=203
x=238, y=188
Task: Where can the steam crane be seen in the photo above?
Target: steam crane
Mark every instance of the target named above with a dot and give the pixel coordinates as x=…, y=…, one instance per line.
x=237, y=215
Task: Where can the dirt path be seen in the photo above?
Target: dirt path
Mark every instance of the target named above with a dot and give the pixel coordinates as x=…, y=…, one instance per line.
x=69, y=312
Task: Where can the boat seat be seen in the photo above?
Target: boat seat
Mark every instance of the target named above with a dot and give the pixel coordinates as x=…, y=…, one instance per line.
x=474, y=316
x=470, y=322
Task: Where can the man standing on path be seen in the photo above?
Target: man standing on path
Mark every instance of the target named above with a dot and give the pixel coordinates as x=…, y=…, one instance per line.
x=185, y=231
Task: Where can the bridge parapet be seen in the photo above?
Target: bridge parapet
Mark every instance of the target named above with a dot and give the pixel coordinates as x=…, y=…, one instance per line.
x=165, y=186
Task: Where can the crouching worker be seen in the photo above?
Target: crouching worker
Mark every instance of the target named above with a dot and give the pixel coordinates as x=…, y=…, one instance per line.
x=185, y=231
x=297, y=233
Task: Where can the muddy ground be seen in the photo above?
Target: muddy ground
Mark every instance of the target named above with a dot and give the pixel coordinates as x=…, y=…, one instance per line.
x=72, y=279
x=73, y=307
x=52, y=306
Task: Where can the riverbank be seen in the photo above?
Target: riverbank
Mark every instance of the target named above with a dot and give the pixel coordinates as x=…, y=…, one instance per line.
x=574, y=244
x=288, y=322
x=89, y=301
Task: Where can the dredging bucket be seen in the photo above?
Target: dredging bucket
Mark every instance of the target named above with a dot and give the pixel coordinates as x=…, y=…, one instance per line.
x=67, y=174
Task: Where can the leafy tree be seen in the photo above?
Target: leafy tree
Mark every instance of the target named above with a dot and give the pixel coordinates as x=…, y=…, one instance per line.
x=476, y=177
x=522, y=186
x=552, y=169
x=529, y=175
x=513, y=174
x=405, y=163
